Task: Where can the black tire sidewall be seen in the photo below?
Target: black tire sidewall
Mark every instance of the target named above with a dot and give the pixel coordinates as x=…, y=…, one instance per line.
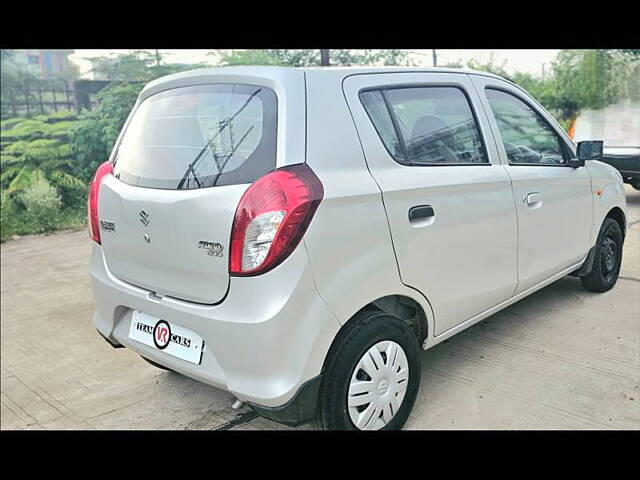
x=596, y=279
x=369, y=329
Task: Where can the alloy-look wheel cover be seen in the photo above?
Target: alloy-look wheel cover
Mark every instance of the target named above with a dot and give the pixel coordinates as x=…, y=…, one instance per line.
x=378, y=386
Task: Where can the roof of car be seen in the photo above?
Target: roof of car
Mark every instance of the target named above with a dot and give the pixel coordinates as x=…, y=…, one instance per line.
x=344, y=71
x=339, y=72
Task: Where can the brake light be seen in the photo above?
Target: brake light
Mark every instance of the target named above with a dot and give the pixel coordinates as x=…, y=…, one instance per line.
x=271, y=218
x=92, y=201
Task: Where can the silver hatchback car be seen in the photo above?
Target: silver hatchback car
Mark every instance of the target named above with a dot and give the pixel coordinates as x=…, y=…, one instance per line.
x=296, y=236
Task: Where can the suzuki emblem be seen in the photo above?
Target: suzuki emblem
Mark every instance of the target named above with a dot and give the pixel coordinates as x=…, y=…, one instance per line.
x=144, y=217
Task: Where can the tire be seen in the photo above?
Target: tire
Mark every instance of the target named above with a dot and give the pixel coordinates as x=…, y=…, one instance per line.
x=369, y=330
x=157, y=365
x=608, y=258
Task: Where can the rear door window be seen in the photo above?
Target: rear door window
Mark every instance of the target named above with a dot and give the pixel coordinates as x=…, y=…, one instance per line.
x=200, y=136
x=426, y=125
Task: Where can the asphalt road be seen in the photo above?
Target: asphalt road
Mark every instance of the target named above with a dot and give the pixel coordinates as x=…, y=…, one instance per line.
x=563, y=358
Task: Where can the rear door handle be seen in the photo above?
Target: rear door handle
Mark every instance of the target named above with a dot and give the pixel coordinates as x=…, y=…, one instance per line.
x=421, y=215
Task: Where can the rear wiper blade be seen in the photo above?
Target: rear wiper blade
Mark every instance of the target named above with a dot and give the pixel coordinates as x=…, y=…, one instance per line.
x=223, y=124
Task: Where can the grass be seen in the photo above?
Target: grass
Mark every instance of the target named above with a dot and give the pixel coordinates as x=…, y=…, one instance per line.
x=68, y=218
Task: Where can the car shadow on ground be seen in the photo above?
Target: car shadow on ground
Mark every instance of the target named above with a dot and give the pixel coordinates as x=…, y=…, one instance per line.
x=441, y=364
x=559, y=296
x=473, y=371
x=454, y=361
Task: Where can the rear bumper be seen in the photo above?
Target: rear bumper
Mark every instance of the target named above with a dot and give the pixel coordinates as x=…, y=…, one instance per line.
x=300, y=409
x=266, y=340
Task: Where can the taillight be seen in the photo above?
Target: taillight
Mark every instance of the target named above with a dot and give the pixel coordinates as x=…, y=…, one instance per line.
x=92, y=201
x=271, y=218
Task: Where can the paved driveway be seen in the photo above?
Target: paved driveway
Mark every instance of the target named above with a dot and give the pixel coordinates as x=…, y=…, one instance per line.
x=562, y=358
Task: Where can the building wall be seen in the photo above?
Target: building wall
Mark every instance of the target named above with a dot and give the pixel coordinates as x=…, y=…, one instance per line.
x=44, y=63
x=618, y=125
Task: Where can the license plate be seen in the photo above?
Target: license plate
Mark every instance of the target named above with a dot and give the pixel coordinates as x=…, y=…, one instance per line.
x=170, y=338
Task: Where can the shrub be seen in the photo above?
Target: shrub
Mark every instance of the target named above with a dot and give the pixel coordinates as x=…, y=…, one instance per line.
x=8, y=217
x=26, y=130
x=34, y=148
x=42, y=206
x=95, y=132
x=11, y=122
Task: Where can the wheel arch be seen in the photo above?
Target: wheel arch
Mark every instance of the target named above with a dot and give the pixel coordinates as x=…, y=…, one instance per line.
x=405, y=307
x=617, y=214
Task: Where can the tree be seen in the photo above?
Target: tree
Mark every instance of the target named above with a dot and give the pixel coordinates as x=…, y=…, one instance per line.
x=593, y=79
x=248, y=57
x=491, y=66
x=96, y=131
x=579, y=79
x=138, y=66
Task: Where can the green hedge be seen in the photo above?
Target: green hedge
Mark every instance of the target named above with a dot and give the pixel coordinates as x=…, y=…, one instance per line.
x=41, y=188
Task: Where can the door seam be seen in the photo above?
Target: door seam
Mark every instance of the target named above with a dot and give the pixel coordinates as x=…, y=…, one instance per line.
x=513, y=196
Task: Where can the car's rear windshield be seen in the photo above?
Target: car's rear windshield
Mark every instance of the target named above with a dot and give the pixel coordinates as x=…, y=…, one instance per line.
x=200, y=136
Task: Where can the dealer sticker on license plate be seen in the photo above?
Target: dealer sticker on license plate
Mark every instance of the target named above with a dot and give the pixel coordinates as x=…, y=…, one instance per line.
x=170, y=338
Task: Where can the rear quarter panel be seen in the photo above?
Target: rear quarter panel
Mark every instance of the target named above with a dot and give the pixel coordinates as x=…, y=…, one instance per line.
x=348, y=241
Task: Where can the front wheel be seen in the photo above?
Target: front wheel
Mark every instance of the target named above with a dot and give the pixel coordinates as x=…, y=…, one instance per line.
x=608, y=258
x=372, y=375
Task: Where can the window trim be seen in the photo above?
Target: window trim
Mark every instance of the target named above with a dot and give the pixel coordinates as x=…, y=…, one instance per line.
x=403, y=86
x=566, y=152
x=396, y=127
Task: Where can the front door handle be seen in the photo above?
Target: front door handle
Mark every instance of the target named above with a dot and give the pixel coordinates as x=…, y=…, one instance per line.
x=533, y=199
x=421, y=215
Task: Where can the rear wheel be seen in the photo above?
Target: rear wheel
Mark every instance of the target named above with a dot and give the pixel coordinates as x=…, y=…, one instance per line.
x=608, y=258
x=372, y=376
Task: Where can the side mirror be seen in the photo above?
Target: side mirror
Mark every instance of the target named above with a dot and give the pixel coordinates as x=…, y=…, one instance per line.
x=575, y=162
x=590, y=150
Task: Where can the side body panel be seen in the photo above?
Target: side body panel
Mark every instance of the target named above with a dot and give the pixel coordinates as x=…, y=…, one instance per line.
x=348, y=241
x=464, y=262
x=554, y=233
x=607, y=180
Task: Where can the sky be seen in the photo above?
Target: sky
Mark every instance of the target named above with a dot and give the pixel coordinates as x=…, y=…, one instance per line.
x=527, y=61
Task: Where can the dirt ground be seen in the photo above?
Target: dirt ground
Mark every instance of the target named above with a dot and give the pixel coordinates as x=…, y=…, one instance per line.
x=563, y=358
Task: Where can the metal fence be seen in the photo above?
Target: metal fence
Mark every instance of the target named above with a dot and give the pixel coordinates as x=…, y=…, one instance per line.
x=31, y=97
x=36, y=97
